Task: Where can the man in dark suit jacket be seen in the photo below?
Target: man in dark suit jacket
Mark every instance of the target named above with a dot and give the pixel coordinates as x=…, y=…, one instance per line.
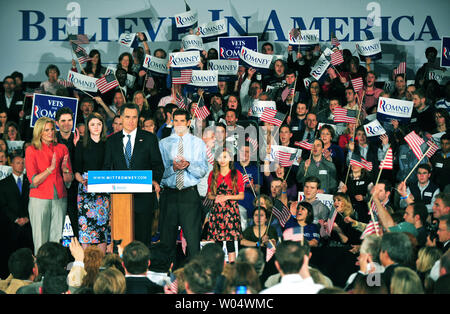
x=14, y=197
x=135, y=149
x=10, y=100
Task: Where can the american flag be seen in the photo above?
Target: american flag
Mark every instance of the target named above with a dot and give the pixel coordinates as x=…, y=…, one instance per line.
x=433, y=146
x=180, y=102
x=270, y=251
x=209, y=155
x=400, y=69
x=201, y=111
x=293, y=234
x=183, y=242
x=415, y=141
x=337, y=57
x=272, y=116
x=285, y=159
x=335, y=42
x=245, y=178
x=281, y=212
x=80, y=39
x=357, y=84
x=371, y=228
x=330, y=221
x=172, y=286
x=65, y=83
x=388, y=161
x=253, y=142
x=181, y=76
x=304, y=144
x=81, y=54
x=360, y=162
x=106, y=83
x=374, y=208
x=344, y=115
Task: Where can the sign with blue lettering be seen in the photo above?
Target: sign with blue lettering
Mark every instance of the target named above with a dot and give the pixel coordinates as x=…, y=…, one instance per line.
x=306, y=40
x=230, y=47
x=185, y=59
x=157, y=66
x=212, y=30
x=445, y=52
x=120, y=181
x=82, y=82
x=251, y=59
x=227, y=69
x=374, y=128
x=192, y=42
x=369, y=48
x=394, y=109
x=48, y=105
x=186, y=20
x=204, y=79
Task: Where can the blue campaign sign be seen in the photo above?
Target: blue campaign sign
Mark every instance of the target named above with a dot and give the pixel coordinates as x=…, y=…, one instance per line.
x=445, y=57
x=230, y=47
x=48, y=105
x=120, y=181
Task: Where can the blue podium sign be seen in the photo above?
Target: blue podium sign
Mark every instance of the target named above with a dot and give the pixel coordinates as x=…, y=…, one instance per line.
x=120, y=181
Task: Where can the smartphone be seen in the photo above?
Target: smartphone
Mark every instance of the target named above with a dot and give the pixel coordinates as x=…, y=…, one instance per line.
x=241, y=290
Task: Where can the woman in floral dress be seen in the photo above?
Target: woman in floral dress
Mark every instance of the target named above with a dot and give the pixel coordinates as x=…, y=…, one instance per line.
x=226, y=188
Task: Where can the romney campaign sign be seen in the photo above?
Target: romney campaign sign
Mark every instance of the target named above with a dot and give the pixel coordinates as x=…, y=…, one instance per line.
x=209, y=32
x=369, y=49
x=48, y=105
x=204, y=79
x=192, y=42
x=251, y=59
x=374, y=128
x=394, y=109
x=227, y=69
x=307, y=39
x=185, y=60
x=82, y=82
x=156, y=66
x=230, y=47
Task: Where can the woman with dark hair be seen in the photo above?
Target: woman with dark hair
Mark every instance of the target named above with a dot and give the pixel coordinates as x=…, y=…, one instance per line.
x=51, y=85
x=226, y=188
x=93, y=208
x=126, y=63
x=442, y=118
x=304, y=219
x=94, y=66
x=259, y=233
x=316, y=102
x=233, y=102
x=330, y=149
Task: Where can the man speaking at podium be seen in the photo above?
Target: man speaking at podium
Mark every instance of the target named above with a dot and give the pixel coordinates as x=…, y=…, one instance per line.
x=135, y=149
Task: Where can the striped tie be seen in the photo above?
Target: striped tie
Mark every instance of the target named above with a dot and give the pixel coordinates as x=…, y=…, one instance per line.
x=128, y=151
x=180, y=173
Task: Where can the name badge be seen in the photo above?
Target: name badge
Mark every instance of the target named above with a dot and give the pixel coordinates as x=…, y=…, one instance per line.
x=360, y=183
x=295, y=128
x=428, y=194
x=403, y=157
x=413, y=120
x=439, y=165
x=325, y=172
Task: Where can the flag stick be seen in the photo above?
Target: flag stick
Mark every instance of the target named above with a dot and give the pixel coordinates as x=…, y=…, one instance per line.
x=379, y=173
x=87, y=93
x=372, y=217
x=293, y=97
x=124, y=98
x=423, y=156
x=251, y=185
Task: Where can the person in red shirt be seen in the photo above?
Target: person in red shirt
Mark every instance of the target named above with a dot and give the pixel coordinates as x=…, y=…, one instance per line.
x=49, y=170
x=226, y=188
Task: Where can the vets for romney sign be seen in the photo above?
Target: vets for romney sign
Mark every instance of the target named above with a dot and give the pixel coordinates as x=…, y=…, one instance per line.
x=251, y=59
x=185, y=60
x=369, y=48
x=192, y=42
x=209, y=32
x=82, y=82
x=374, y=128
x=259, y=107
x=230, y=47
x=155, y=65
x=307, y=39
x=394, y=109
x=227, y=69
x=206, y=80
x=48, y=105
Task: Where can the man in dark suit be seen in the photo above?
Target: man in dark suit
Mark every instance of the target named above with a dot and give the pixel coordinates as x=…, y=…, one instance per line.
x=14, y=197
x=135, y=149
x=10, y=100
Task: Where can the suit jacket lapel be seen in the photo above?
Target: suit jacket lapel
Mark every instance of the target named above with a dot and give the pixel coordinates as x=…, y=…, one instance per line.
x=137, y=145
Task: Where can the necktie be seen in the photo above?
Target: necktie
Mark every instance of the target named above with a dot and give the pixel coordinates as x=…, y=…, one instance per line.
x=128, y=151
x=19, y=184
x=180, y=173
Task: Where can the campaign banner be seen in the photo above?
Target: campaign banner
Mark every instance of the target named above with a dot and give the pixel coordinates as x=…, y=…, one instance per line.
x=82, y=82
x=230, y=47
x=192, y=42
x=209, y=32
x=186, y=20
x=374, y=128
x=445, y=52
x=275, y=149
x=260, y=105
x=48, y=105
x=184, y=60
x=306, y=40
x=15, y=147
x=5, y=171
x=128, y=40
x=251, y=59
x=320, y=67
x=157, y=66
x=326, y=199
x=204, y=79
x=120, y=181
x=227, y=69
x=369, y=48
x=394, y=109
x=439, y=76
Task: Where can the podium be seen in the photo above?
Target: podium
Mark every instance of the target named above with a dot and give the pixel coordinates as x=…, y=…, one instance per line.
x=121, y=184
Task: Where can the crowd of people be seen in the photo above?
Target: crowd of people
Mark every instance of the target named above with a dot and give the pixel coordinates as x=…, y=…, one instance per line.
x=226, y=214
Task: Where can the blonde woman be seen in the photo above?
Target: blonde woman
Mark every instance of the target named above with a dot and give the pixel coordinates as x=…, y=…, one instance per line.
x=426, y=258
x=49, y=170
x=406, y=281
x=140, y=100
